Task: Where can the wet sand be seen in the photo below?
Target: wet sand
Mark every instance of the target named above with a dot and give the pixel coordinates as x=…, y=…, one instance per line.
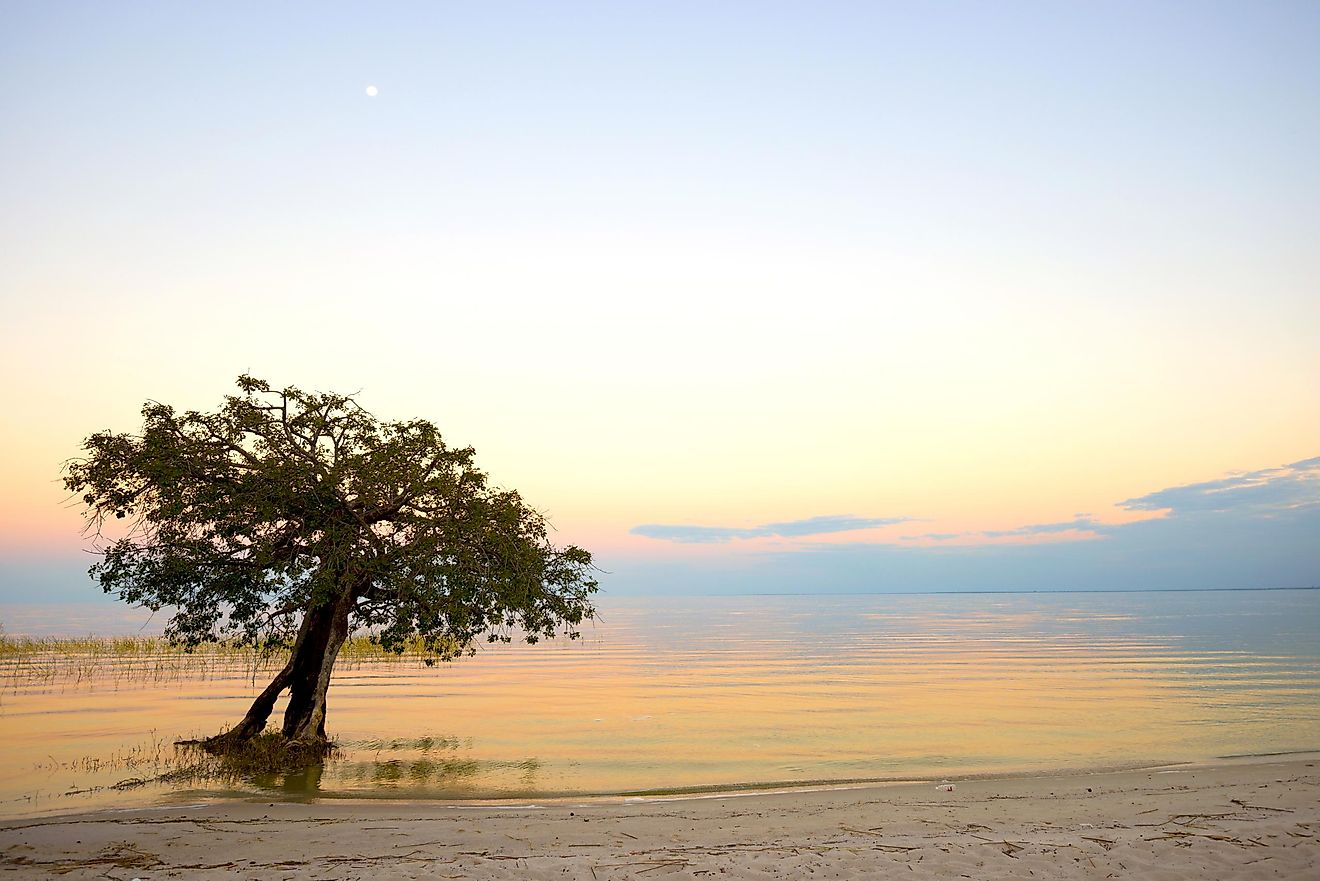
x=1249, y=819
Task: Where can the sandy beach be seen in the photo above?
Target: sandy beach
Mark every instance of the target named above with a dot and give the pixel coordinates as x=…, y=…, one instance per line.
x=1249, y=818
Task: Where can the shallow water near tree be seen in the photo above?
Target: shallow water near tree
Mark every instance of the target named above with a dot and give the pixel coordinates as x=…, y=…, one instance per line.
x=688, y=693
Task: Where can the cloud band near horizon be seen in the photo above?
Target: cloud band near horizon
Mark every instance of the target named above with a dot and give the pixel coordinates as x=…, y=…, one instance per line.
x=823, y=525
x=1266, y=492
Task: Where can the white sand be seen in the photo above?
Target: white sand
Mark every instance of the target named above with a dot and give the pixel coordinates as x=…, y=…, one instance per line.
x=1252, y=819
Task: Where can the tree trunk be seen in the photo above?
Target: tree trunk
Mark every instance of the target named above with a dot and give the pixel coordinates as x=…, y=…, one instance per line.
x=255, y=721
x=320, y=636
x=325, y=629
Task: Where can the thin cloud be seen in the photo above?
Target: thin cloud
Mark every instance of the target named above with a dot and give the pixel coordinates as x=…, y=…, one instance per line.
x=1271, y=489
x=1267, y=492
x=1079, y=524
x=1255, y=529
x=789, y=529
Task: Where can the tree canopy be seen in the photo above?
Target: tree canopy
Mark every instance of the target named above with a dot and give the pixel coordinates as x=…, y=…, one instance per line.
x=295, y=517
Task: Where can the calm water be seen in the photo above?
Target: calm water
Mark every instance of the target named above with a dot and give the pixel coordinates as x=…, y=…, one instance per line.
x=696, y=692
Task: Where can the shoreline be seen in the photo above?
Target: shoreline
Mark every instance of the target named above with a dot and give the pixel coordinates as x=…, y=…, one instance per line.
x=219, y=796
x=1253, y=817
x=381, y=796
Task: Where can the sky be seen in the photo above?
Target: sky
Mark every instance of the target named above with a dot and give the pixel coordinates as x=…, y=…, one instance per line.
x=746, y=297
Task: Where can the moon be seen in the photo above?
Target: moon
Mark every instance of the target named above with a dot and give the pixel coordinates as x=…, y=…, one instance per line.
x=372, y=91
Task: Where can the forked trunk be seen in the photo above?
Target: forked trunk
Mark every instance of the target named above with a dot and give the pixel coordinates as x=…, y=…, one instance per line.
x=326, y=628
x=306, y=675
x=255, y=720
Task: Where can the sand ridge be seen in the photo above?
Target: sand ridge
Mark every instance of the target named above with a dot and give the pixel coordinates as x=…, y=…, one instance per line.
x=1256, y=819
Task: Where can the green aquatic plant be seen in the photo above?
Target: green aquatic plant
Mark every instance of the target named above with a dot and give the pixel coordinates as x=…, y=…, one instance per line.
x=153, y=755
x=265, y=754
x=64, y=663
x=268, y=761
x=72, y=662
x=420, y=744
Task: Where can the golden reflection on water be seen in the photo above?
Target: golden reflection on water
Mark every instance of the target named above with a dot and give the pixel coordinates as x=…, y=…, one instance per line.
x=711, y=692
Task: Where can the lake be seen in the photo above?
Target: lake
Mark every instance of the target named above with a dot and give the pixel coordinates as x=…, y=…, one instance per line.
x=687, y=693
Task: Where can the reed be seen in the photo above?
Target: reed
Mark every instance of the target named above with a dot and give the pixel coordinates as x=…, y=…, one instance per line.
x=27, y=661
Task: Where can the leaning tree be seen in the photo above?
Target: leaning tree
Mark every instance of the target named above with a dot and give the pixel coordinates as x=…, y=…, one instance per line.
x=295, y=518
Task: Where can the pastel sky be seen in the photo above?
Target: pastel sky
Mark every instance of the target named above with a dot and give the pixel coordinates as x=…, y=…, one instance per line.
x=746, y=296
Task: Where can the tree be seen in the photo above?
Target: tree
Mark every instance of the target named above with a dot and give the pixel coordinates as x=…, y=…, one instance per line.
x=294, y=518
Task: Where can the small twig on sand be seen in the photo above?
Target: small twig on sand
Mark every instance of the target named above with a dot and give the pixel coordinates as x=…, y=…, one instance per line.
x=651, y=865
x=668, y=865
x=1237, y=801
x=880, y=845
